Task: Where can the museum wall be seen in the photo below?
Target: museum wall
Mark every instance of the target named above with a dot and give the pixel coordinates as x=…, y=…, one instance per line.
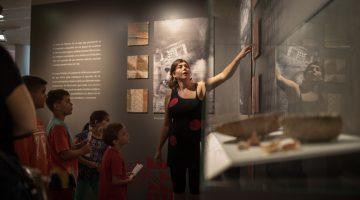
x=100, y=28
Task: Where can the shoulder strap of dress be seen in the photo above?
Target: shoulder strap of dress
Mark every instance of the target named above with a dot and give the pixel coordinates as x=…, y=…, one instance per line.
x=174, y=93
x=196, y=93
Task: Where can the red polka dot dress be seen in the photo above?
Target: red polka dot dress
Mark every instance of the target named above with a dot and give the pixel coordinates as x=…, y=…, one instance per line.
x=184, y=130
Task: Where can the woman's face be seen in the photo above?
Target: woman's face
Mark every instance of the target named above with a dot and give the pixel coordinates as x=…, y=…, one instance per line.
x=313, y=73
x=182, y=71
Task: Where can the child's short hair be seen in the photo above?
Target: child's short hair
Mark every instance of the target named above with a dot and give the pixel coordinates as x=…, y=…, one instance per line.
x=111, y=133
x=54, y=96
x=33, y=83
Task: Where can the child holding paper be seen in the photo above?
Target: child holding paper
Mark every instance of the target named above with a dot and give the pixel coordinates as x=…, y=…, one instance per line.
x=113, y=175
x=89, y=164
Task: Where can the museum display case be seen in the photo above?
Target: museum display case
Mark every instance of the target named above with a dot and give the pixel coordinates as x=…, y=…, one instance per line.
x=288, y=120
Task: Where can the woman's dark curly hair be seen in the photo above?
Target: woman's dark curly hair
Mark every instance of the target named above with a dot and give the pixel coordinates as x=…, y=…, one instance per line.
x=316, y=63
x=173, y=82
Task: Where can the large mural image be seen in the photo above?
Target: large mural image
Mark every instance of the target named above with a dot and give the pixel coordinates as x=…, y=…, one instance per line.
x=175, y=39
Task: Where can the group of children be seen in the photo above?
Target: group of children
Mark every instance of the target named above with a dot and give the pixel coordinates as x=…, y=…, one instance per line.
x=92, y=161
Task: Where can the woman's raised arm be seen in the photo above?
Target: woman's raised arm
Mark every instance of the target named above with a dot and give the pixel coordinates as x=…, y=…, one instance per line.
x=229, y=70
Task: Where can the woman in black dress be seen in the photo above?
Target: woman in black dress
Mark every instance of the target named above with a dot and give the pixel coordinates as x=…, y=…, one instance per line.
x=182, y=124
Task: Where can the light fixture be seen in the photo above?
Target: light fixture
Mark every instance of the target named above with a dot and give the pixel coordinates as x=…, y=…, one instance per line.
x=2, y=36
x=1, y=15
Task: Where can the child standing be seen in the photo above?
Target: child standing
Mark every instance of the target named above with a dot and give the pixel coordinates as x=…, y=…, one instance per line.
x=32, y=151
x=63, y=164
x=89, y=164
x=113, y=176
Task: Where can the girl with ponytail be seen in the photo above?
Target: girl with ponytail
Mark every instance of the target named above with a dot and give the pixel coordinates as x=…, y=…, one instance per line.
x=89, y=165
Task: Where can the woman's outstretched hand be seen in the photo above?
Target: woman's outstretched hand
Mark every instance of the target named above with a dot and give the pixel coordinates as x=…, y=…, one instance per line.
x=278, y=75
x=244, y=51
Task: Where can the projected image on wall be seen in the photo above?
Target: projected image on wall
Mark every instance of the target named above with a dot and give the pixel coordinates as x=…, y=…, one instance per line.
x=138, y=33
x=176, y=39
x=138, y=66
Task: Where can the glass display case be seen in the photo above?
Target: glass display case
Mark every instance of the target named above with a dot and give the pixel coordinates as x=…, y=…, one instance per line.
x=289, y=119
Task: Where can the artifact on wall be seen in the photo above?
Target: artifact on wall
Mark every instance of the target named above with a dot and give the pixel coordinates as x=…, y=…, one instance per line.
x=245, y=68
x=174, y=39
x=256, y=37
x=245, y=23
x=255, y=94
x=138, y=33
x=137, y=100
x=138, y=66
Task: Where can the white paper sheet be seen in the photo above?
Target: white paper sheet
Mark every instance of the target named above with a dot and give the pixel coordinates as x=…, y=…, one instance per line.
x=136, y=169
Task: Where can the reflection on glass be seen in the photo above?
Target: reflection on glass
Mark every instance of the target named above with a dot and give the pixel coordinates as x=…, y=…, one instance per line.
x=307, y=95
x=309, y=71
x=316, y=65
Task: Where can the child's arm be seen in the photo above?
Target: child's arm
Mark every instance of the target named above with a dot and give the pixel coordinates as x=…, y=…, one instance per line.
x=87, y=162
x=61, y=142
x=118, y=176
x=80, y=144
x=75, y=153
x=118, y=181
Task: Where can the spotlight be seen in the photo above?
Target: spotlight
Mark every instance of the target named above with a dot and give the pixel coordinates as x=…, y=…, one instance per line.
x=2, y=37
x=1, y=15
